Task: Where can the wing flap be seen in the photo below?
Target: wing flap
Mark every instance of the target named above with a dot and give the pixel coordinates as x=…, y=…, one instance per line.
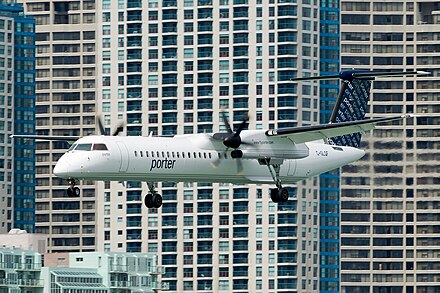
x=311, y=133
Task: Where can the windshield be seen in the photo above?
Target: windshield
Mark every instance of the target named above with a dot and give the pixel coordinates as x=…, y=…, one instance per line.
x=99, y=147
x=84, y=147
x=72, y=147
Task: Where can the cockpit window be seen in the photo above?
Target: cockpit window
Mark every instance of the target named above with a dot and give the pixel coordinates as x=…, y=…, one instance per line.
x=84, y=147
x=99, y=147
x=72, y=147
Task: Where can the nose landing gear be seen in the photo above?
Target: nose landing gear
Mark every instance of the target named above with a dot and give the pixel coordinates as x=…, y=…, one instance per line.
x=152, y=199
x=72, y=190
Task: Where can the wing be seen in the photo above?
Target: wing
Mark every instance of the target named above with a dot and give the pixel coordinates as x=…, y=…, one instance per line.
x=310, y=133
x=47, y=137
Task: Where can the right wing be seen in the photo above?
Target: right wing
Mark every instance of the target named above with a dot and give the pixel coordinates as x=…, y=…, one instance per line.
x=324, y=131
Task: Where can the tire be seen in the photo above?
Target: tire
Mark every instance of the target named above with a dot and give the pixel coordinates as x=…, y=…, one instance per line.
x=157, y=200
x=274, y=195
x=76, y=191
x=70, y=192
x=148, y=200
x=283, y=194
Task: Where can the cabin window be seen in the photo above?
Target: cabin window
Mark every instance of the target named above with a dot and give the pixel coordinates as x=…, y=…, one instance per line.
x=219, y=155
x=99, y=147
x=84, y=147
x=163, y=154
x=209, y=154
x=158, y=154
x=183, y=155
x=142, y=154
x=168, y=154
x=135, y=153
x=204, y=155
x=189, y=155
x=146, y=154
x=172, y=153
x=152, y=154
x=195, y=155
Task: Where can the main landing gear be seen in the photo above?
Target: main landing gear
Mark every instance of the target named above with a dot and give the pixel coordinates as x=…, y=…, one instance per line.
x=152, y=199
x=72, y=190
x=279, y=194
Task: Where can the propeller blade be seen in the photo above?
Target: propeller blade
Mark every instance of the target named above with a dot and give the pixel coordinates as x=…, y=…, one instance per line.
x=119, y=129
x=243, y=124
x=217, y=162
x=100, y=125
x=239, y=166
x=226, y=122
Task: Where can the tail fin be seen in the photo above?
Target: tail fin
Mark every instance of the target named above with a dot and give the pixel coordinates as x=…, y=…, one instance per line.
x=353, y=98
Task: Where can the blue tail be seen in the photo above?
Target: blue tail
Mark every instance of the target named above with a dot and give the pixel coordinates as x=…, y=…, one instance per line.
x=353, y=98
x=351, y=105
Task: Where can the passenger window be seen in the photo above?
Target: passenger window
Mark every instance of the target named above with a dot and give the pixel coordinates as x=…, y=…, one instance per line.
x=168, y=154
x=135, y=153
x=209, y=154
x=204, y=155
x=158, y=154
x=146, y=154
x=142, y=154
x=195, y=155
x=172, y=153
x=189, y=155
x=84, y=147
x=226, y=155
x=99, y=147
x=163, y=154
x=183, y=155
x=152, y=154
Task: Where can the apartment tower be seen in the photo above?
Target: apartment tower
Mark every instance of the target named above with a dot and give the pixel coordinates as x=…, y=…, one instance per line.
x=389, y=200
x=169, y=67
x=17, y=116
x=65, y=105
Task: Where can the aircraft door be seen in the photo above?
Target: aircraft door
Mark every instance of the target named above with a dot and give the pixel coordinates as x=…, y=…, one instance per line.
x=124, y=157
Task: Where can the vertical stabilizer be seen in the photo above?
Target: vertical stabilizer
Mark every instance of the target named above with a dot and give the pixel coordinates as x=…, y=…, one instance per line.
x=353, y=98
x=351, y=105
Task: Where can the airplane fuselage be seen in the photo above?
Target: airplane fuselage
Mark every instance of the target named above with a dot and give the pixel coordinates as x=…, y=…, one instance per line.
x=199, y=158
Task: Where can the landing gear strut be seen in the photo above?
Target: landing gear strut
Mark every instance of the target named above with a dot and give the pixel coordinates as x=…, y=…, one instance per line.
x=152, y=199
x=72, y=190
x=279, y=194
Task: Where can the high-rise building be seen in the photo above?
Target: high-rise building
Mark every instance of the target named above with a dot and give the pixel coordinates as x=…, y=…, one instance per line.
x=65, y=105
x=168, y=67
x=328, y=182
x=17, y=116
x=389, y=199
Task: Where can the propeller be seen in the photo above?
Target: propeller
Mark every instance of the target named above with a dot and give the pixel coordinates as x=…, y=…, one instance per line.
x=102, y=128
x=232, y=140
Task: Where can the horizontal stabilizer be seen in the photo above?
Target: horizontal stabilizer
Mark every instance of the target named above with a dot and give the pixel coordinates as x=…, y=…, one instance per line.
x=361, y=74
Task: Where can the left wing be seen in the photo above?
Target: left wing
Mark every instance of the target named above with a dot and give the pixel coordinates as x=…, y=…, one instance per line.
x=315, y=132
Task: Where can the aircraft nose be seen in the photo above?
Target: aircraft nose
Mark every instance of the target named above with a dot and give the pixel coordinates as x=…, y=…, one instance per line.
x=61, y=168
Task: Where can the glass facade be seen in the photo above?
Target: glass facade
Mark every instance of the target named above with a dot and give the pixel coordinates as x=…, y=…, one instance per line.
x=17, y=96
x=329, y=182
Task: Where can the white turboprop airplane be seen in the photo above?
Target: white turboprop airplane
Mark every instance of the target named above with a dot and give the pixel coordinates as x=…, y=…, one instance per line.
x=279, y=156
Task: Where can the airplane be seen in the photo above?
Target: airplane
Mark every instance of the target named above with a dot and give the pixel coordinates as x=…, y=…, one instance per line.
x=279, y=156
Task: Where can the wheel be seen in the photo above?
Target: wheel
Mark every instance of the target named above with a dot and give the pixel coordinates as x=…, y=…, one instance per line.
x=274, y=195
x=70, y=192
x=283, y=194
x=76, y=191
x=148, y=200
x=157, y=200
